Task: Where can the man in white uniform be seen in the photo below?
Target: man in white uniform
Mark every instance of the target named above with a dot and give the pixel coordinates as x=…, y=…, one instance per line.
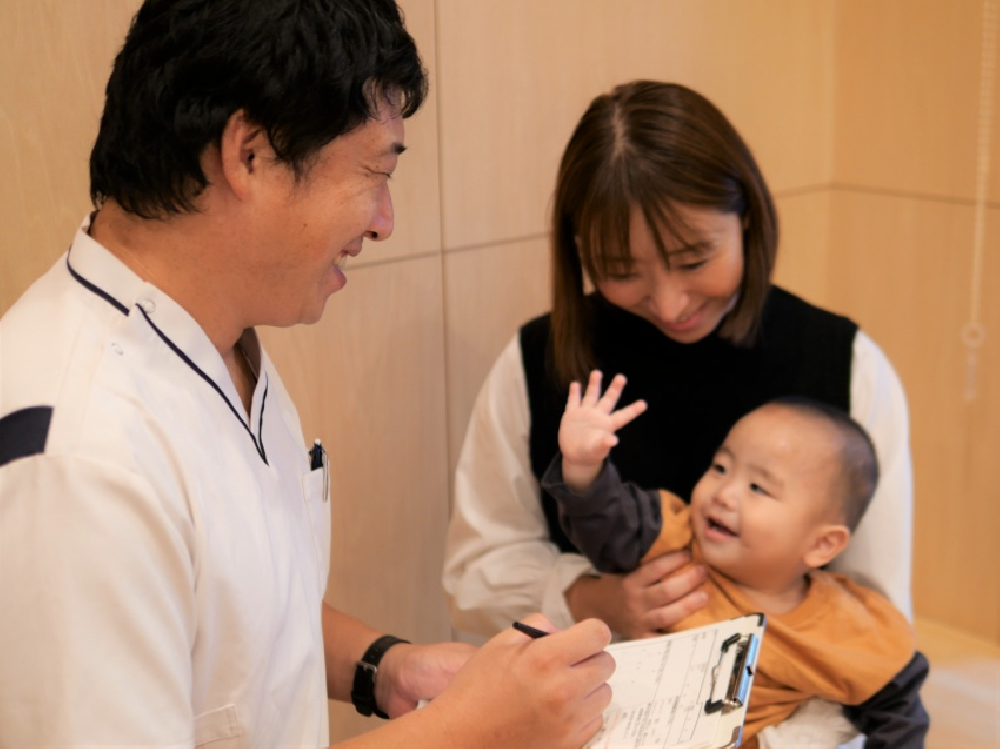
x=164, y=531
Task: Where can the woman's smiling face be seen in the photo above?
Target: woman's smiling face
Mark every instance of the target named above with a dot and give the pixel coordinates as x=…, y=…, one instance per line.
x=687, y=299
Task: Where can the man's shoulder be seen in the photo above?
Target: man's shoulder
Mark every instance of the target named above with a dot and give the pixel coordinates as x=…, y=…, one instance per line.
x=54, y=341
x=35, y=341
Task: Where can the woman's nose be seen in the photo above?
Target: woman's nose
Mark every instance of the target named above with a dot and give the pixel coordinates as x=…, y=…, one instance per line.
x=669, y=296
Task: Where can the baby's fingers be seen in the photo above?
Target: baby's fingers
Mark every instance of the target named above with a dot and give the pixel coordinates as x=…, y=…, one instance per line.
x=590, y=398
x=626, y=414
x=614, y=392
x=574, y=395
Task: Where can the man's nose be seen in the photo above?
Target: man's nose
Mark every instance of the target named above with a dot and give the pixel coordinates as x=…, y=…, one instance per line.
x=384, y=220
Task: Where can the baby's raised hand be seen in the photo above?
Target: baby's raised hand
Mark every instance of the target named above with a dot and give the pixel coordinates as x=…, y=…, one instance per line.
x=589, y=423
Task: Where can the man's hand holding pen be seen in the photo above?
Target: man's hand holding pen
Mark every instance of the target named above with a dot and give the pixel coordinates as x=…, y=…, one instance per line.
x=559, y=680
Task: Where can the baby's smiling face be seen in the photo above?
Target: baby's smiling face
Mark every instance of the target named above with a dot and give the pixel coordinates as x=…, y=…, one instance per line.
x=766, y=497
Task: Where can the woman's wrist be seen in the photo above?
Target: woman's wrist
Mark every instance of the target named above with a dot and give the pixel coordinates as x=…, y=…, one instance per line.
x=583, y=597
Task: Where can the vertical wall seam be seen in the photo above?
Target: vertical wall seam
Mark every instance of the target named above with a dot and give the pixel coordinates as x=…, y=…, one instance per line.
x=445, y=313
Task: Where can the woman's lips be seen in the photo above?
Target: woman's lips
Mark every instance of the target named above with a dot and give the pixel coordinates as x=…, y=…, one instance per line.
x=685, y=324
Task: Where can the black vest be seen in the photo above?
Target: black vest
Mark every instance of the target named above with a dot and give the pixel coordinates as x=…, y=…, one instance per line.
x=695, y=392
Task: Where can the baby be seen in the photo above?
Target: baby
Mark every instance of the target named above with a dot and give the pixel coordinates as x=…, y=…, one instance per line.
x=780, y=500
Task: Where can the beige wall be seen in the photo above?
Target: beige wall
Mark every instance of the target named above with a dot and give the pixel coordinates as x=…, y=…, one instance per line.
x=900, y=261
x=862, y=113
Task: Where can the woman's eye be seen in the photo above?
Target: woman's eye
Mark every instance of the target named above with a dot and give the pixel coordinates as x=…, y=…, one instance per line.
x=693, y=266
x=620, y=275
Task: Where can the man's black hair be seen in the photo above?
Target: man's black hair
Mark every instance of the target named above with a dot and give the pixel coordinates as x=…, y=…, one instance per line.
x=306, y=71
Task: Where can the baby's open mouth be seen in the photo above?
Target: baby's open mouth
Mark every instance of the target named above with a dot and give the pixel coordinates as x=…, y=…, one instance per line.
x=714, y=525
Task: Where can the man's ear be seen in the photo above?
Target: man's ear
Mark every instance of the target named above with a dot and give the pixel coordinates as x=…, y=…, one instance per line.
x=242, y=147
x=828, y=542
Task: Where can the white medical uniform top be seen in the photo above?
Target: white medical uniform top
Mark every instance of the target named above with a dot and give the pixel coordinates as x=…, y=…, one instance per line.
x=163, y=555
x=501, y=564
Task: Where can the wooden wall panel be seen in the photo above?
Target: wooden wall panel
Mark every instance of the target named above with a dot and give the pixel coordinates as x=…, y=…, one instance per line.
x=416, y=194
x=803, y=247
x=55, y=56
x=907, y=99
x=902, y=269
x=907, y=119
x=489, y=292
x=515, y=76
x=369, y=381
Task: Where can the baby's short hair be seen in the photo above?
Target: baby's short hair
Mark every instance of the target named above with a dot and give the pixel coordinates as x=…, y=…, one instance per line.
x=859, y=468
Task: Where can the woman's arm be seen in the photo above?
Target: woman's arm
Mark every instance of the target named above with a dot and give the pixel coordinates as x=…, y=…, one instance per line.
x=880, y=551
x=499, y=562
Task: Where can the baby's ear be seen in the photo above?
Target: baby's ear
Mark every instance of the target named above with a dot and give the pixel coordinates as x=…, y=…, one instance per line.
x=828, y=542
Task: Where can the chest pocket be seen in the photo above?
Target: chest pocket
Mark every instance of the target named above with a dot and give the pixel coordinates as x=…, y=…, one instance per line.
x=219, y=727
x=316, y=494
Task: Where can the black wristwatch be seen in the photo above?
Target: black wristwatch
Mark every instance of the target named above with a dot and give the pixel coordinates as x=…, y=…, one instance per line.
x=363, y=690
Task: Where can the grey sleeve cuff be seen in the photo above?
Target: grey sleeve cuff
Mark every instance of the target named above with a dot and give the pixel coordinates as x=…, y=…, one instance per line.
x=613, y=523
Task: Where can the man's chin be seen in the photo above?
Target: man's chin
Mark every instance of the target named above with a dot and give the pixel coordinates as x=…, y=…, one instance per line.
x=312, y=316
x=303, y=317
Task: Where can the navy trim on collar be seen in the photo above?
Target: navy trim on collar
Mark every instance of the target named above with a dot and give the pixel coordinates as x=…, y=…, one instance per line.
x=24, y=433
x=96, y=289
x=190, y=363
x=258, y=445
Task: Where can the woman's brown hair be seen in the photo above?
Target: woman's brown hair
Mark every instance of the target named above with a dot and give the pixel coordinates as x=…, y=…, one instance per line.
x=652, y=146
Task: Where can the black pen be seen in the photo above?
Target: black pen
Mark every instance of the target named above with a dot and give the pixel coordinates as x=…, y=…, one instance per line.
x=528, y=630
x=316, y=456
x=318, y=460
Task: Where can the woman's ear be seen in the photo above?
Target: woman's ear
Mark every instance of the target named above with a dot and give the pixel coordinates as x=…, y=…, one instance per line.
x=828, y=542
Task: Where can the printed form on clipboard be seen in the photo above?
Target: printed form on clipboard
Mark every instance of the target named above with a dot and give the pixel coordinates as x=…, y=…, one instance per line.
x=684, y=689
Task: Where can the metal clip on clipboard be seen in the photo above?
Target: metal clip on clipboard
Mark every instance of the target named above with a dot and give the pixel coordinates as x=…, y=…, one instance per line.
x=739, y=653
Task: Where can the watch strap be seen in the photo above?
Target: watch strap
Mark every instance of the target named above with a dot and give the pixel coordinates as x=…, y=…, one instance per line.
x=365, y=671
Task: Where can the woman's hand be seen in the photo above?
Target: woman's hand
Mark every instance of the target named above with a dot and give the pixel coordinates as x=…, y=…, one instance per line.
x=644, y=603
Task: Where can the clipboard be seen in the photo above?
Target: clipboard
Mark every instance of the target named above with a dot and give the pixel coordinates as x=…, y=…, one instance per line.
x=684, y=689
